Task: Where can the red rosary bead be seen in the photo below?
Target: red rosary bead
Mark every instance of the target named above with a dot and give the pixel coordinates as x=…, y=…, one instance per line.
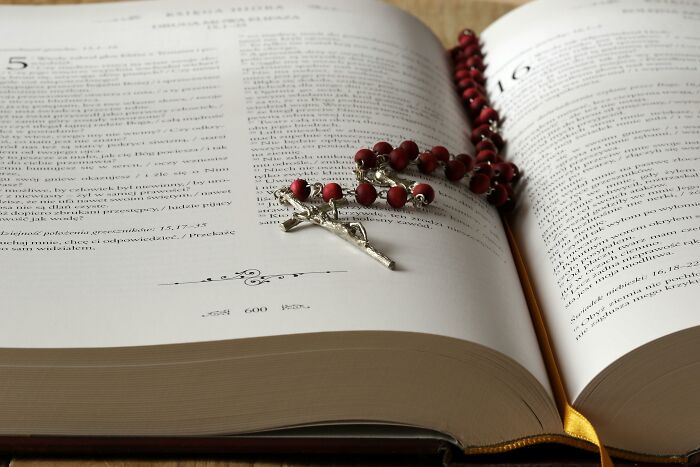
x=382, y=147
x=462, y=74
x=367, y=158
x=441, y=153
x=498, y=195
x=479, y=183
x=300, y=189
x=504, y=172
x=476, y=104
x=467, y=160
x=331, y=191
x=396, y=197
x=486, y=156
x=481, y=132
x=425, y=190
x=365, y=194
x=466, y=37
x=468, y=83
x=483, y=168
x=411, y=149
x=497, y=140
x=477, y=76
x=471, y=93
x=471, y=50
x=427, y=163
x=485, y=144
x=455, y=170
x=487, y=114
x=398, y=159
x=475, y=61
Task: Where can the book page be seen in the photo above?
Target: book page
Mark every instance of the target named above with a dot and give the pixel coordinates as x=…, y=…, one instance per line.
x=602, y=109
x=137, y=184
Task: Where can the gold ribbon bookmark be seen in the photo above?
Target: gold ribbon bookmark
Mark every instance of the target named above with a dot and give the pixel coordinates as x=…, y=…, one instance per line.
x=575, y=424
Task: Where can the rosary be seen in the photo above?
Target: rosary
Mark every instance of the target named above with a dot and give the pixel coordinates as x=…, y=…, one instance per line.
x=485, y=172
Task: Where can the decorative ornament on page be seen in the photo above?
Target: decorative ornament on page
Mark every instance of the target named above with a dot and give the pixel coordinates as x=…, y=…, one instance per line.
x=485, y=172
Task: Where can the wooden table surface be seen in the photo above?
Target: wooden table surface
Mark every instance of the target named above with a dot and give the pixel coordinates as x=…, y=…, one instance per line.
x=445, y=18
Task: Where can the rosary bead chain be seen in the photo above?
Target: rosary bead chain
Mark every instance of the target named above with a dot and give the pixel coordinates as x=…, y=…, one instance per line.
x=485, y=171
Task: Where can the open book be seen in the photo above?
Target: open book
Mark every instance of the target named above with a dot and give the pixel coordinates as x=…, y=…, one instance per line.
x=148, y=291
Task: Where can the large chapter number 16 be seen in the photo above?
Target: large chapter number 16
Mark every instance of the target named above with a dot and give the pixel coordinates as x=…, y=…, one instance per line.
x=519, y=73
x=17, y=63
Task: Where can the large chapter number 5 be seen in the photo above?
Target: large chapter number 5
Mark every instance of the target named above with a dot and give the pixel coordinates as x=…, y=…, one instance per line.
x=17, y=63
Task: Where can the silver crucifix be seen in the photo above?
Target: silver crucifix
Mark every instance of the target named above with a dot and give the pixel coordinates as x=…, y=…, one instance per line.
x=326, y=216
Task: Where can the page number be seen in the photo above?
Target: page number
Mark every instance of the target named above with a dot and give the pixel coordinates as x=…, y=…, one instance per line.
x=17, y=63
